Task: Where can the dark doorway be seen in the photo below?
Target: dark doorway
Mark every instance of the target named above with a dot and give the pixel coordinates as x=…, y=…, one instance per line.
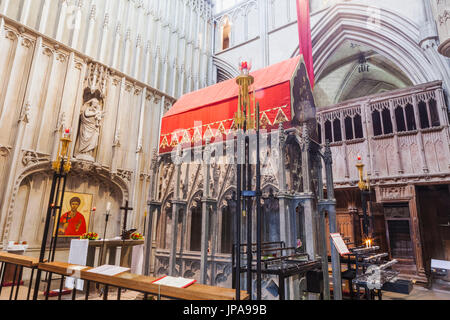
x=398, y=232
x=434, y=213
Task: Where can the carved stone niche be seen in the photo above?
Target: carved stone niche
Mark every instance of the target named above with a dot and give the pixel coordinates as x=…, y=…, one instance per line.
x=394, y=193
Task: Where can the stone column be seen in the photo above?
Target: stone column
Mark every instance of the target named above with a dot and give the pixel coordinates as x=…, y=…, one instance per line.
x=104, y=32
x=152, y=206
x=88, y=45
x=25, y=11
x=284, y=214
x=205, y=213
x=4, y=7
x=44, y=16
x=76, y=30
x=331, y=208
x=177, y=203
x=61, y=21
x=138, y=157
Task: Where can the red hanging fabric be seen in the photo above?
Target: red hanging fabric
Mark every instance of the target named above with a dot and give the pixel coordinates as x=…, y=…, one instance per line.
x=304, y=32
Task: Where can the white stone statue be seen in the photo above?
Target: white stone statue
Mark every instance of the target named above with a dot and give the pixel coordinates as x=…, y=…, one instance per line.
x=89, y=132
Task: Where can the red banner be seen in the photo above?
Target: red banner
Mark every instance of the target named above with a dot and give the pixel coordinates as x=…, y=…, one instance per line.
x=304, y=32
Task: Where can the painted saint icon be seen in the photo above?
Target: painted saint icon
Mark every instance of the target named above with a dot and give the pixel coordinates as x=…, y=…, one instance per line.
x=75, y=219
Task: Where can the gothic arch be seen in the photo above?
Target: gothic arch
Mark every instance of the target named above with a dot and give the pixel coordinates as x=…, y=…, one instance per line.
x=397, y=38
x=197, y=196
x=225, y=70
x=45, y=166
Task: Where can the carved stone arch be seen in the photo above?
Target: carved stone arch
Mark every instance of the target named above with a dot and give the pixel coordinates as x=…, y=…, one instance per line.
x=225, y=70
x=397, y=39
x=225, y=212
x=265, y=188
x=270, y=214
x=104, y=176
x=194, y=221
x=161, y=223
x=293, y=163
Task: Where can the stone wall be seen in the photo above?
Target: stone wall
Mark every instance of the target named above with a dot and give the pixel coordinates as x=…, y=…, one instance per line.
x=45, y=88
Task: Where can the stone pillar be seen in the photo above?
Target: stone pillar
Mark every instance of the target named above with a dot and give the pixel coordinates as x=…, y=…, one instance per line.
x=44, y=16
x=104, y=32
x=25, y=11
x=205, y=213
x=88, y=45
x=61, y=21
x=76, y=30
x=4, y=7
x=331, y=208
x=152, y=206
x=177, y=203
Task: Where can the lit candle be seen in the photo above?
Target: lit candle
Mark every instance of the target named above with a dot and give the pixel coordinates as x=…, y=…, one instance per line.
x=108, y=206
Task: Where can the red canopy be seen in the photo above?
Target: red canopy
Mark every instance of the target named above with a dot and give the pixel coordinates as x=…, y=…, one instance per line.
x=209, y=112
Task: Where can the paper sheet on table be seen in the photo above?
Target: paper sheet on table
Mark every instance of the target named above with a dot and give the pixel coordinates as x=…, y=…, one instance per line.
x=109, y=270
x=341, y=247
x=174, y=282
x=137, y=260
x=440, y=264
x=78, y=256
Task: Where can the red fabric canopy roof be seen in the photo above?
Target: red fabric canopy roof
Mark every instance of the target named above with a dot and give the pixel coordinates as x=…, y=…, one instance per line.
x=216, y=105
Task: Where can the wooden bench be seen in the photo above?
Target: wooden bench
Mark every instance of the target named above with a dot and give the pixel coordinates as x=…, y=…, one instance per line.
x=142, y=284
x=20, y=262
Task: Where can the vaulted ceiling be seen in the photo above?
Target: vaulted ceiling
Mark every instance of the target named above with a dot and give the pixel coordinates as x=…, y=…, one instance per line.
x=341, y=79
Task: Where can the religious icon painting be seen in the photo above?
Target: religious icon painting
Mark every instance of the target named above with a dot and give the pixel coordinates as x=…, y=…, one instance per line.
x=75, y=215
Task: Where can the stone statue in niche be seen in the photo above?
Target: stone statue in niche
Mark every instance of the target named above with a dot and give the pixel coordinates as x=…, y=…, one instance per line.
x=88, y=135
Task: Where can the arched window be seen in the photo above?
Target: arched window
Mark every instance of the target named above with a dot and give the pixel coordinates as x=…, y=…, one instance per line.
x=226, y=32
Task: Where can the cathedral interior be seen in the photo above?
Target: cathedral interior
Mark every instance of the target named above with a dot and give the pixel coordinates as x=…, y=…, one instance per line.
x=127, y=101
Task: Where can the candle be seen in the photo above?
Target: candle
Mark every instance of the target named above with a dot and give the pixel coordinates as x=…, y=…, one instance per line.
x=108, y=206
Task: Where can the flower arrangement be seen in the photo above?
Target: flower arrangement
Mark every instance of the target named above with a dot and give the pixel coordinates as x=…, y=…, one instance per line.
x=137, y=236
x=89, y=236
